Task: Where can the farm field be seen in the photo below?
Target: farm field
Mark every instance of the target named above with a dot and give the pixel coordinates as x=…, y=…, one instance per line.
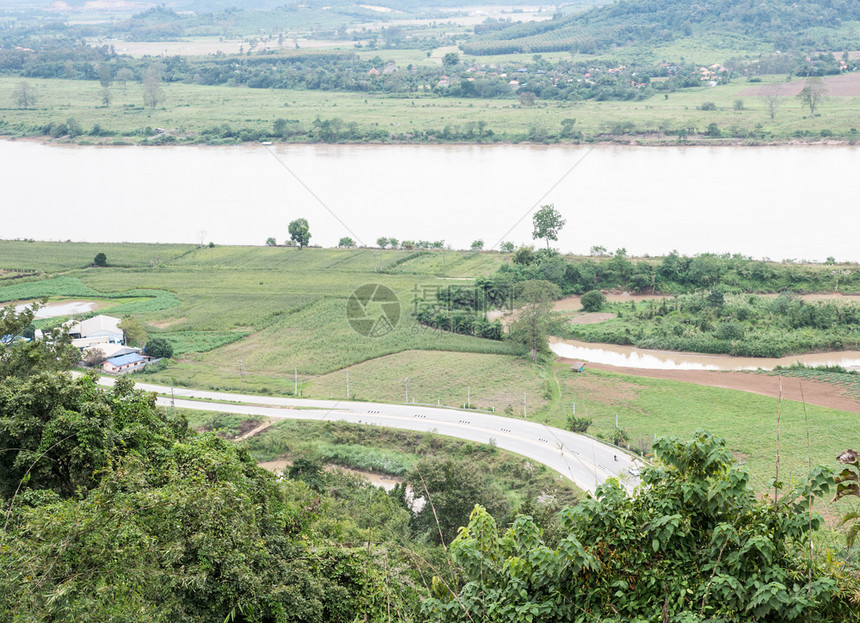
x=281, y=312
x=653, y=406
x=190, y=109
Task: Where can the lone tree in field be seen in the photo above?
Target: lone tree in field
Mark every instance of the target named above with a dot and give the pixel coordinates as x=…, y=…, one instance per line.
x=25, y=95
x=532, y=324
x=152, y=86
x=770, y=96
x=547, y=223
x=300, y=232
x=100, y=259
x=812, y=94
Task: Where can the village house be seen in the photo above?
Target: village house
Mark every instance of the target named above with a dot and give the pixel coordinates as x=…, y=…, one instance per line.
x=124, y=364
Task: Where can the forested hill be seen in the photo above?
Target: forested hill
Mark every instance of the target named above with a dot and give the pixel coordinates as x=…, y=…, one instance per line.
x=784, y=24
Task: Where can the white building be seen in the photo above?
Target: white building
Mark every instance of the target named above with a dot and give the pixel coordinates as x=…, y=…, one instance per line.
x=96, y=330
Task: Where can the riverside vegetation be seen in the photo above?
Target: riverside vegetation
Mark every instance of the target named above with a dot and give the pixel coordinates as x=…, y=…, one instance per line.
x=612, y=73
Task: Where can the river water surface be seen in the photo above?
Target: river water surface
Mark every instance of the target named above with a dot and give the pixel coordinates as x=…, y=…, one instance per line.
x=632, y=357
x=789, y=202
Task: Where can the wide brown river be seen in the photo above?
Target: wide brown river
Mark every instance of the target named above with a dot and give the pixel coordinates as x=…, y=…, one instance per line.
x=789, y=202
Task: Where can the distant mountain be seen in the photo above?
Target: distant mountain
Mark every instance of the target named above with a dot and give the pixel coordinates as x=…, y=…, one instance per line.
x=784, y=24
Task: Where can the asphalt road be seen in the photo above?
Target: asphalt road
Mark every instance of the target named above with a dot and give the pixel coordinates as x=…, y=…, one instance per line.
x=584, y=460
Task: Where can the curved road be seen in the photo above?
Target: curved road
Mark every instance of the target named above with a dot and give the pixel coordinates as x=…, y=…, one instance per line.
x=582, y=459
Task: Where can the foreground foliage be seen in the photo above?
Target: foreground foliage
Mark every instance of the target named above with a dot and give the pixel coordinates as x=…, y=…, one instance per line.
x=693, y=544
x=130, y=516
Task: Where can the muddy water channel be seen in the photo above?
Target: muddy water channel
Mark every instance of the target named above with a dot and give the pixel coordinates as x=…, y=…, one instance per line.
x=632, y=357
x=790, y=202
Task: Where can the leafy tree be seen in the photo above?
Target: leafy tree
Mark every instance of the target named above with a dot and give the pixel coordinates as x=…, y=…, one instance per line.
x=394, y=243
x=271, y=242
x=620, y=436
x=105, y=75
x=133, y=331
x=477, y=245
x=129, y=516
x=547, y=223
x=506, y=247
x=159, y=348
x=24, y=95
x=63, y=433
x=100, y=259
x=593, y=301
x=771, y=97
x=346, y=242
x=152, y=95
x=300, y=232
x=107, y=96
x=450, y=488
x=693, y=543
x=527, y=99
x=20, y=358
x=524, y=256
x=812, y=94
x=450, y=59
x=123, y=75
x=533, y=319
x=382, y=242
x=94, y=357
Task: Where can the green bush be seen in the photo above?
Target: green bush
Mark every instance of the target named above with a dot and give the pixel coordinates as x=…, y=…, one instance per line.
x=593, y=301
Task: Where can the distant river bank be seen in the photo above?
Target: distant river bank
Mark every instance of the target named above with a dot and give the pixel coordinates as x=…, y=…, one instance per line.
x=788, y=202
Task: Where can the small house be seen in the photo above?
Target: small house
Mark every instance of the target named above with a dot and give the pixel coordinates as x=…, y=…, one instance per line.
x=124, y=363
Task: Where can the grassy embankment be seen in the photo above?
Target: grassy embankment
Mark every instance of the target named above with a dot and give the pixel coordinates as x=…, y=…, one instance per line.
x=191, y=109
x=386, y=451
x=278, y=309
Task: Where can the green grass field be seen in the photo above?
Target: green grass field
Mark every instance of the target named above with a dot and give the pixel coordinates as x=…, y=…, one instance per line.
x=278, y=311
x=193, y=108
x=648, y=407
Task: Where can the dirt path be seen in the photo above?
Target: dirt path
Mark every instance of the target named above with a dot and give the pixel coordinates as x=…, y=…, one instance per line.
x=254, y=431
x=814, y=392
